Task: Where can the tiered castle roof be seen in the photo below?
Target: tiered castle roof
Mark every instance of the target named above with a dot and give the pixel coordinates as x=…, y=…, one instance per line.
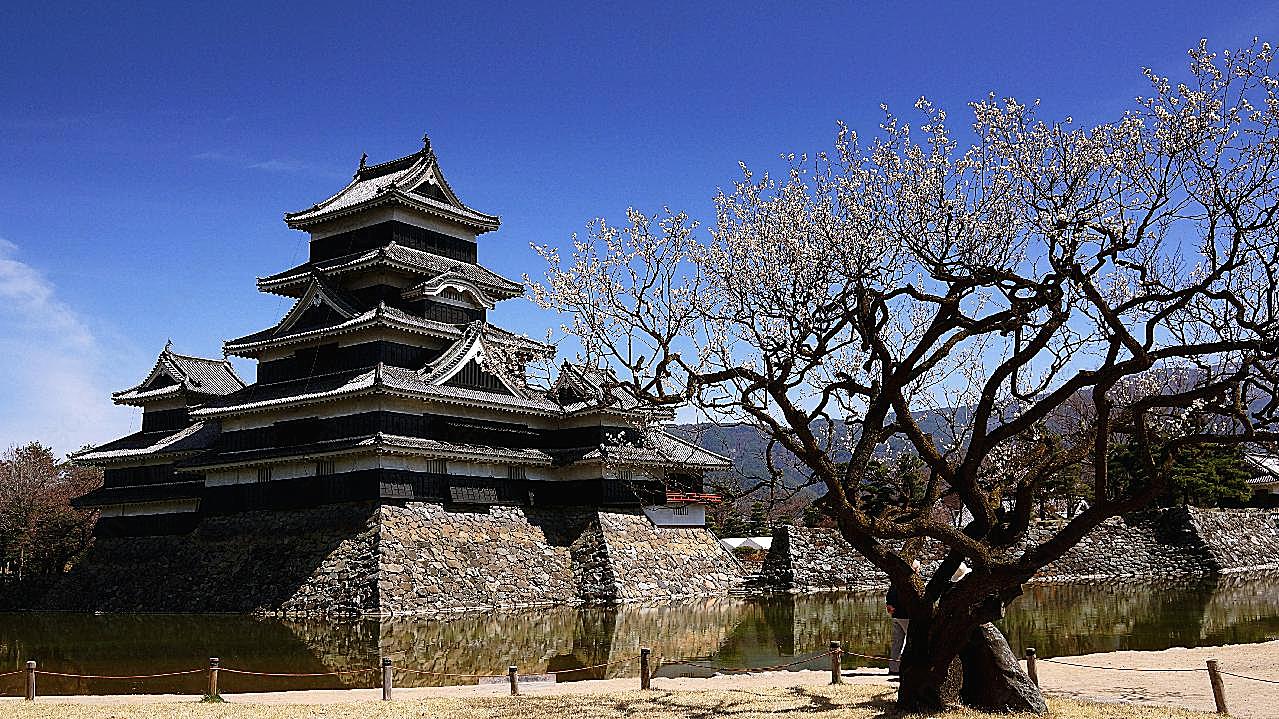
x=413, y=182
x=385, y=360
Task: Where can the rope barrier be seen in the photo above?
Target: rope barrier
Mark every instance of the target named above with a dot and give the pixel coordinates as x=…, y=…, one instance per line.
x=288, y=674
x=1118, y=669
x=132, y=676
x=865, y=656
x=627, y=660
x=1255, y=679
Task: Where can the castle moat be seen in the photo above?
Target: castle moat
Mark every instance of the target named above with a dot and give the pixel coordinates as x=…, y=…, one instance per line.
x=1057, y=619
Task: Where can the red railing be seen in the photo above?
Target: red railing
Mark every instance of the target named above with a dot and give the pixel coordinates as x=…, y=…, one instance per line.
x=692, y=498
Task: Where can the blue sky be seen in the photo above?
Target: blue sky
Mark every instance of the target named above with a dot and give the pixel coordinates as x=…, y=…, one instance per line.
x=148, y=153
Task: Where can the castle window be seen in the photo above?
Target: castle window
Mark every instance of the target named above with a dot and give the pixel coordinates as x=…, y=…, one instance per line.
x=325, y=467
x=515, y=471
x=680, y=510
x=437, y=466
x=264, y=474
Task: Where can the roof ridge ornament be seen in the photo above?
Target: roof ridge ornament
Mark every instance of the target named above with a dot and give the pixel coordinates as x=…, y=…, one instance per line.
x=427, y=152
x=364, y=163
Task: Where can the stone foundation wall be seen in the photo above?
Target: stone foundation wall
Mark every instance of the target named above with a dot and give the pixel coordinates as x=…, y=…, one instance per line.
x=1180, y=542
x=657, y=563
x=394, y=559
x=1234, y=540
x=435, y=559
x=321, y=560
x=1139, y=546
x=814, y=560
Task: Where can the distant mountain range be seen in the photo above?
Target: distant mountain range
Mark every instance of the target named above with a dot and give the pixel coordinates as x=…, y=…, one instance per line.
x=747, y=446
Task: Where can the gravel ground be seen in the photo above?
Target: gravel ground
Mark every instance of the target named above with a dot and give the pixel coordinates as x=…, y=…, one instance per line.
x=1245, y=698
x=1096, y=690
x=794, y=702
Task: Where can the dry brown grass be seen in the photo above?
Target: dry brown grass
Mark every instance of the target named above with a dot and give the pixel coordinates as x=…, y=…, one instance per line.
x=809, y=702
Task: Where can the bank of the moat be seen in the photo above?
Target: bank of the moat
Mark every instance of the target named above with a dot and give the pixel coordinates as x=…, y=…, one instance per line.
x=1058, y=619
x=393, y=559
x=1174, y=543
x=422, y=558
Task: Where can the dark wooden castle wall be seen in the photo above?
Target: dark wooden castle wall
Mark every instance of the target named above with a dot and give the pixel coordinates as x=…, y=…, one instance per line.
x=383, y=233
x=330, y=358
x=460, y=430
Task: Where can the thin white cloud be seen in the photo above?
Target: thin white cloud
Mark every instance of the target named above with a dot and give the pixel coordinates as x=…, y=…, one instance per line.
x=53, y=371
x=276, y=165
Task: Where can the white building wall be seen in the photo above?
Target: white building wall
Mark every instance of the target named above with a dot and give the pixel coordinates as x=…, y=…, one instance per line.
x=690, y=515
x=171, y=506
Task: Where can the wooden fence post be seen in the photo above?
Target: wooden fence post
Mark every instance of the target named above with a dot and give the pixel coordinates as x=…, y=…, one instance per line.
x=1031, y=669
x=645, y=671
x=387, y=680
x=1218, y=687
x=31, y=681
x=512, y=673
x=836, y=663
x=213, y=677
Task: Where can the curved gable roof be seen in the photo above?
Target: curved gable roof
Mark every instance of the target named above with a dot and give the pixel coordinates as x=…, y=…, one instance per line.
x=414, y=181
x=173, y=374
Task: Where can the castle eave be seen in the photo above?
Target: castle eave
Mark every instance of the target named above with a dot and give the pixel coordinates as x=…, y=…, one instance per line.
x=378, y=444
x=382, y=316
x=104, y=496
x=477, y=221
x=170, y=445
x=405, y=259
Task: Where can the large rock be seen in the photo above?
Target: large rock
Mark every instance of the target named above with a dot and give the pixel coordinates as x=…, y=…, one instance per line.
x=992, y=677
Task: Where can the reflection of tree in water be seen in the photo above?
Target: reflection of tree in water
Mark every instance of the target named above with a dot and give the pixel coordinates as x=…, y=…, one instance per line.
x=1242, y=610
x=1077, y=618
x=119, y=644
x=1066, y=619
x=779, y=628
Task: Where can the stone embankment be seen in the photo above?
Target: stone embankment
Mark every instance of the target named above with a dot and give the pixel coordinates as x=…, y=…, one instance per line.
x=392, y=559
x=1180, y=542
x=433, y=559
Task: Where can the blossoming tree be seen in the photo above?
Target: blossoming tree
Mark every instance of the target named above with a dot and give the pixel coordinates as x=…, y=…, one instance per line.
x=1051, y=289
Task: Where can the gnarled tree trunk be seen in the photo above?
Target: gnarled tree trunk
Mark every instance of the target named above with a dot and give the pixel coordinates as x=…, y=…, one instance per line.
x=943, y=665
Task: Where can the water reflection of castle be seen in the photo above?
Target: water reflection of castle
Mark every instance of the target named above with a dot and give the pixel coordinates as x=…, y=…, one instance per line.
x=1056, y=619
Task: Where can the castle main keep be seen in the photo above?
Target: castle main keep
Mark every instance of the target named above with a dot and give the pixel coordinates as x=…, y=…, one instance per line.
x=392, y=455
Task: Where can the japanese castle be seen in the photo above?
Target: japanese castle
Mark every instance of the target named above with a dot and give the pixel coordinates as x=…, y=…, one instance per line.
x=386, y=383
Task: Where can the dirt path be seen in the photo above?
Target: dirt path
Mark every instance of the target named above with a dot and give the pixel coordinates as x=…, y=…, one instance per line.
x=1188, y=690
x=600, y=686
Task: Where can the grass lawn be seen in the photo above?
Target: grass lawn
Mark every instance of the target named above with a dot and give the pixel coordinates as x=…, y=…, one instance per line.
x=809, y=702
